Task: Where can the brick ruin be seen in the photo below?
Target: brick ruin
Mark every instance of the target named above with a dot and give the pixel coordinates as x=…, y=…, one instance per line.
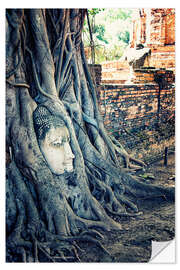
x=145, y=101
x=155, y=29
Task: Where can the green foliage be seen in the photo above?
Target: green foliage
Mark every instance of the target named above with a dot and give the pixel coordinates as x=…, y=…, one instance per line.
x=118, y=13
x=99, y=30
x=111, y=32
x=108, y=53
x=95, y=11
x=124, y=36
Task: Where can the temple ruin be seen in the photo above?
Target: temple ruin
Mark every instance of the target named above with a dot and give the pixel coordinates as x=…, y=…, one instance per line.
x=137, y=92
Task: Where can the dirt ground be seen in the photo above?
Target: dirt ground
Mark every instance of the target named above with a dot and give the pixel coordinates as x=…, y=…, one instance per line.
x=157, y=223
x=164, y=175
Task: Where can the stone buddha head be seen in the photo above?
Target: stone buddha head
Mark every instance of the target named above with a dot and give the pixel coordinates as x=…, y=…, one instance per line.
x=54, y=140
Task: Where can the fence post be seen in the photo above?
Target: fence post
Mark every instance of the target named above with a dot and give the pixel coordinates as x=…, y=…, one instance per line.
x=166, y=156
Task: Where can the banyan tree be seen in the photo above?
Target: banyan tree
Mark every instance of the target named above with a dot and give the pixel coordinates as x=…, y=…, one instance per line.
x=66, y=178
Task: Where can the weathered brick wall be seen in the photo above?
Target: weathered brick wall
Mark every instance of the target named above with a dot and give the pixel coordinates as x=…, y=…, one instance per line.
x=115, y=72
x=162, y=26
x=135, y=107
x=155, y=29
x=162, y=38
x=149, y=75
x=162, y=57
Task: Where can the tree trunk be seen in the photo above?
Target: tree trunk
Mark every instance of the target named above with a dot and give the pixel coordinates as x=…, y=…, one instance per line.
x=46, y=213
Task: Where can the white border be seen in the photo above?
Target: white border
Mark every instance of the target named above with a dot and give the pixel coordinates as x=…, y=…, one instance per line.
x=82, y=4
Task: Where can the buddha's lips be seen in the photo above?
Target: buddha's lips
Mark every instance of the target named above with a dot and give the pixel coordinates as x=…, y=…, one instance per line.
x=69, y=162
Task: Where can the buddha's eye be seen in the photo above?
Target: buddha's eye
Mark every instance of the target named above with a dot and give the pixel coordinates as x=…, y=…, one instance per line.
x=57, y=144
x=64, y=140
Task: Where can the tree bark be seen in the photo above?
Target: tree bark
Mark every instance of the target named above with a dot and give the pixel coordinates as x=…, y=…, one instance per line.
x=48, y=214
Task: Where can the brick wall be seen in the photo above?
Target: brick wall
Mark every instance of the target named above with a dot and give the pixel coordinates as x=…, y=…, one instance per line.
x=148, y=101
x=150, y=75
x=115, y=72
x=139, y=106
x=162, y=57
x=135, y=107
x=155, y=29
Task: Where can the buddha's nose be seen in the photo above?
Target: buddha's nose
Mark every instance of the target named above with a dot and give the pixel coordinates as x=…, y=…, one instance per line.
x=68, y=152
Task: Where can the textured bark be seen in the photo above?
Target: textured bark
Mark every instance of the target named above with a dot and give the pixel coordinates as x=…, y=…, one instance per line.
x=47, y=215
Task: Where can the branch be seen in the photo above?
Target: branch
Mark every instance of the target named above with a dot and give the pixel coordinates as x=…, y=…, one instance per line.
x=42, y=46
x=38, y=86
x=12, y=72
x=59, y=67
x=127, y=158
x=18, y=84
x=13, y=42
x=65, y=66
x=52, y=21
x=90, y=82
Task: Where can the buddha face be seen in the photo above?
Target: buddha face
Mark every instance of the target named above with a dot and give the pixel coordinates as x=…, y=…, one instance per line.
x=57, y=151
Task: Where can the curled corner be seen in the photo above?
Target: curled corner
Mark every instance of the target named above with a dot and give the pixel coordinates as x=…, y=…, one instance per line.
x=163, y=252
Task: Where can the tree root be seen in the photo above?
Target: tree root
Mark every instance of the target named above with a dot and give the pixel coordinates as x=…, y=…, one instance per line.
x=39, y=88
x=45, y=242
x=127, y=158
x=122, y=214
x=142, y=190
x=18, y=84
x=114, y=198
x=12, y=72
x=65, y=247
